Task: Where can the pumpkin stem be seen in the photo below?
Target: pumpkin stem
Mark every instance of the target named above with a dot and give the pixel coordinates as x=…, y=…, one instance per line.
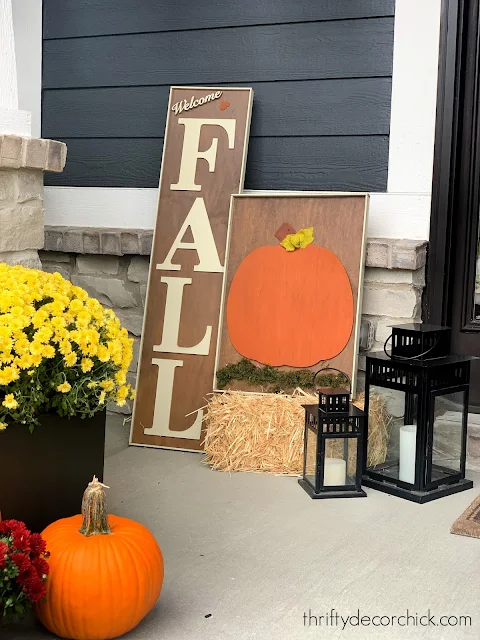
x=94, y=510
x=283, y=231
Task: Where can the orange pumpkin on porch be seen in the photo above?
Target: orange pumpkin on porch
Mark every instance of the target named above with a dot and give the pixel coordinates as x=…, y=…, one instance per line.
x=106, y=573
x=290, y=307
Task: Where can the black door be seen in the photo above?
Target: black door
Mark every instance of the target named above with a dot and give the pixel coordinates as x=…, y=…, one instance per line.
x=453, y=277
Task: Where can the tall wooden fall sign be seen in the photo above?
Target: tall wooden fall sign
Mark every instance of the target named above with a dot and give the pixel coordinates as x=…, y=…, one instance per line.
x=203, y=164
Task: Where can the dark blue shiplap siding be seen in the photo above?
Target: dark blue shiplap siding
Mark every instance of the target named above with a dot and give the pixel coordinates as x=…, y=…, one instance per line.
x=321, y=72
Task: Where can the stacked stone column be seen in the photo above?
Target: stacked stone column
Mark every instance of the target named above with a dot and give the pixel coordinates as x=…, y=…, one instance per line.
x=23, y=161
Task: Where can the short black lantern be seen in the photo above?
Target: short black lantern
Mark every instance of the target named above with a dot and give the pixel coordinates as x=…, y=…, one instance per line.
x=333, y=446
x=425, y=391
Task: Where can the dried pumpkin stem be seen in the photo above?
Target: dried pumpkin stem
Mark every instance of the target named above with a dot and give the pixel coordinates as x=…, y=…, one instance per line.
x=94, y=510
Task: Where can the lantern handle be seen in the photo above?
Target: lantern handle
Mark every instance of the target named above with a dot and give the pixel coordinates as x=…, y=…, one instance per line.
x=420, y=355
x=338, y=371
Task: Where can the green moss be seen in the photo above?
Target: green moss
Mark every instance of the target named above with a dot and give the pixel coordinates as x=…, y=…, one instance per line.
x=273, y=380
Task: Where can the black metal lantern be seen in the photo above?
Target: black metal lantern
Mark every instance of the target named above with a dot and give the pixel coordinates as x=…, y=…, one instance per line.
x=333, y=446
x=425, y=391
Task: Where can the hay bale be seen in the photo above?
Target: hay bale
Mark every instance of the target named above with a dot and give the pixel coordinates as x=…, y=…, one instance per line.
x=263, y=432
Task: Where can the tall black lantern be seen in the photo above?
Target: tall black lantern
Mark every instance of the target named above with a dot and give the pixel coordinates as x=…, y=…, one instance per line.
x=333, y=446
x=425, y=391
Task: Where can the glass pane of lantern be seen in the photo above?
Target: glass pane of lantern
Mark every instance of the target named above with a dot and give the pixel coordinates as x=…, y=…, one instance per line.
x=311, y=457
x=340, y=462
x=447, y=434
x=391, y=451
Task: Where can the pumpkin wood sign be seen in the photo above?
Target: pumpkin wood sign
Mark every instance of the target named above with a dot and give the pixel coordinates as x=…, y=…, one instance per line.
x=291, y=304
x=292, y=295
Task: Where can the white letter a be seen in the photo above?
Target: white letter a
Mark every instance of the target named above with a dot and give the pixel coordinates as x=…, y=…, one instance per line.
x=203, y=242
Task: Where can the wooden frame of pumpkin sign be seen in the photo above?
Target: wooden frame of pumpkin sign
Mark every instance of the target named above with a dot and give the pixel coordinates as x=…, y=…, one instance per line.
x=293, y=282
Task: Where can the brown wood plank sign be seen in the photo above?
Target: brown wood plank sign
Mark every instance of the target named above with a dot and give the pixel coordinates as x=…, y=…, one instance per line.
x=203, y=164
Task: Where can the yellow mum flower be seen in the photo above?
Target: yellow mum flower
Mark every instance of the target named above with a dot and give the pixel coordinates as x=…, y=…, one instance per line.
x=122, y=395
x=28, y=309
x=70, y=359
x=10, y=402
x=22, y=345
x=48, y=351
x=58, y=322
x=56, y=308
x=101, y=399
x=108, y=385
x=64, y=387
x=43, y=335
x=80, y=293
x=102, y=353
x=17, y=323
x=36, y=348
x=39, y=318
x=90, y=350
x=6, y=342
x=121, y=377
x=65, y=347
x=24, y=362
x=8, y=375
x=117, y=358
x=87, y=365
x=3, y=426
x=92, y=385
x=36, y=360
x=16, y=311
x=31, y=372
x=76, y=306
x=6, y=357
x=83, y=319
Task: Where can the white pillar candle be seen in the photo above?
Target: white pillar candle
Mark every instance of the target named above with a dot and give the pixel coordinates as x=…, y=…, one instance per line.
x=408, y=446
x=335, y=472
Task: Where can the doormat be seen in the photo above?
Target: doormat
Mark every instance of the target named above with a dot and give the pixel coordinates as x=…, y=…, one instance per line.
x=468, y=524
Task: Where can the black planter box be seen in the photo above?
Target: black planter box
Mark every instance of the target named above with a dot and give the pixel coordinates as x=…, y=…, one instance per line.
x=43, y=474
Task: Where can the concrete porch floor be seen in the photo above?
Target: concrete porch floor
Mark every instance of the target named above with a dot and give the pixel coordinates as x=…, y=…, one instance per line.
x=254, y=553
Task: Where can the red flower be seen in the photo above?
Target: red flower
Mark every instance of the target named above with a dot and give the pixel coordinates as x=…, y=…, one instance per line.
x=38, y=545
x=20, y=533
x=22, y=562
x=3, y=554
x=4, y=528
x=27, y=552
x=35, y=588
x=21, y=537
x=41, y=566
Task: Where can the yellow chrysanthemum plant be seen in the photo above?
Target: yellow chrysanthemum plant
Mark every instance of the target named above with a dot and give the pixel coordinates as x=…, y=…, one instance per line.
x=60, y=350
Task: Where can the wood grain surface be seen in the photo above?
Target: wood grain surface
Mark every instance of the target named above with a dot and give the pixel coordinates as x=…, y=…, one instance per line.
x=201, y=299
x=339, y=224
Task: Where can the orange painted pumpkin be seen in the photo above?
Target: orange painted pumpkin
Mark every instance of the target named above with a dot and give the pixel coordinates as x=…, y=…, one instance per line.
x=106, y=573
x=290, y=307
